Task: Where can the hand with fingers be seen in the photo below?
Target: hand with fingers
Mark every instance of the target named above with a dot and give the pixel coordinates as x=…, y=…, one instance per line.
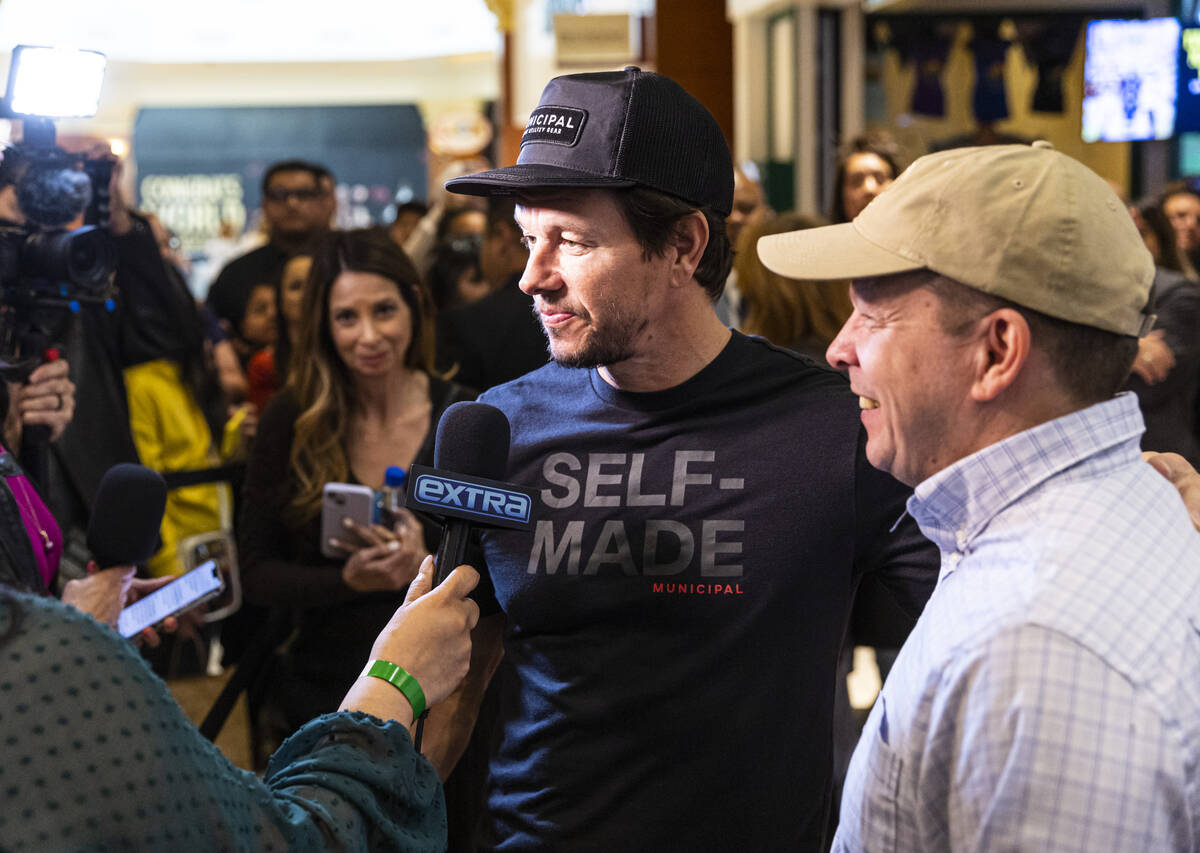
x=48, y=398
x=429, y=637
x=382, y=559
x=186, y=623
x=103, y=594
x=1182, y=476
x=1154, y=360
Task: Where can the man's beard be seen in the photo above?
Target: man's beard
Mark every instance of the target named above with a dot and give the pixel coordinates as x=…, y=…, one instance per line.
x=604, y=343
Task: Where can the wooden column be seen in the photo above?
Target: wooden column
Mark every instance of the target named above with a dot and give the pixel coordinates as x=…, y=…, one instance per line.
x=509, y=144
x=694, y=47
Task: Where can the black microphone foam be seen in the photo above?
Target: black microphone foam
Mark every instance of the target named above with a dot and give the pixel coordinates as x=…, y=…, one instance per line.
x=126, y=515
x=472, y=441
x=473, y=438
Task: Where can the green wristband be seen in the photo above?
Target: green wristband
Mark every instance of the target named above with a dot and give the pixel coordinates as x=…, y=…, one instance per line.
x=395, y=675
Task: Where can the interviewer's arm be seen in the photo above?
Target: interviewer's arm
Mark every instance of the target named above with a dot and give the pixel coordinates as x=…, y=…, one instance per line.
x=429, y=636
x=345, y=782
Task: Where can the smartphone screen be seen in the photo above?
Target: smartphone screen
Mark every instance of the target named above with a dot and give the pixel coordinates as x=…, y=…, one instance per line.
x=179, y=595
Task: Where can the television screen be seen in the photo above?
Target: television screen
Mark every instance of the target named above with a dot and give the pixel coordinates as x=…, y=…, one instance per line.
x=1187, y=110
x=1129, y=80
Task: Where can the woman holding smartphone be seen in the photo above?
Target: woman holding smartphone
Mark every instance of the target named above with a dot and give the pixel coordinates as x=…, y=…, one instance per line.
x=360, y=396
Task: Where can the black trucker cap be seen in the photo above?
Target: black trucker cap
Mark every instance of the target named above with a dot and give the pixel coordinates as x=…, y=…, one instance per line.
x=617, y=129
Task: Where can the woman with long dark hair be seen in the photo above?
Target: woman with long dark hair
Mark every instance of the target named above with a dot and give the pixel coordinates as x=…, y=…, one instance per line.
x=360, y=396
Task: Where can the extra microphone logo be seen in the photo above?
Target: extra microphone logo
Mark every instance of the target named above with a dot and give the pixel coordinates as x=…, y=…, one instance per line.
x=474, y=499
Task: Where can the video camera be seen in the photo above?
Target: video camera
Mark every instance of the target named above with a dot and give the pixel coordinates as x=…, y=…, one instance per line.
x=48, y=272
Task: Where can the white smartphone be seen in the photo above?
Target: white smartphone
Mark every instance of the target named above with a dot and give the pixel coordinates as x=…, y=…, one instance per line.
x=340, y=501
x=183, y=593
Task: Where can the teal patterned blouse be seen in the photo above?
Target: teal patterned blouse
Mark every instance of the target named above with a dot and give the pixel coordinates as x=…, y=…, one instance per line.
x=97, y=756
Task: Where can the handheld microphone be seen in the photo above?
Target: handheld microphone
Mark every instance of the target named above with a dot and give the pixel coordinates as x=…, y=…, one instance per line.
x=126, y=515
x=470, y=455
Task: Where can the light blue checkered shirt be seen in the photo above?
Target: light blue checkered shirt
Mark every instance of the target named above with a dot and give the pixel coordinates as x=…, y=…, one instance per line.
x=1049, y=697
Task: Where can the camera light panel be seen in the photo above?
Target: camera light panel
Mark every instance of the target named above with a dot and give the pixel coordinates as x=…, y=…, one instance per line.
x=55, y=82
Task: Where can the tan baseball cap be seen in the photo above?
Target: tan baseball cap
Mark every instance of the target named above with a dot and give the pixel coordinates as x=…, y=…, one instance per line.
x=1022, y=222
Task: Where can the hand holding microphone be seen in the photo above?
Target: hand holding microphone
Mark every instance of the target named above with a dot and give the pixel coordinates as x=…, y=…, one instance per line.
x=425, y=650
x=122, y=533
x=102, y=594
x=429, y=639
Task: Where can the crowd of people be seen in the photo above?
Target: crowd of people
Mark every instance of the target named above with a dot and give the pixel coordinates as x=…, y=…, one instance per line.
x=757, y=438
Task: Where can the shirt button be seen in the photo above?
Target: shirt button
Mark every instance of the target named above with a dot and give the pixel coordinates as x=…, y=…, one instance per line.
x=961, y=538
x=949, y=565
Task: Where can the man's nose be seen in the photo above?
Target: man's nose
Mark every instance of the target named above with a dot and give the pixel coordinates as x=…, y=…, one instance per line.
x=841, y=353
x=540, y=273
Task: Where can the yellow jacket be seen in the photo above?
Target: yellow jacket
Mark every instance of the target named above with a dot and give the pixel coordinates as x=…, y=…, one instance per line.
x=171, y=434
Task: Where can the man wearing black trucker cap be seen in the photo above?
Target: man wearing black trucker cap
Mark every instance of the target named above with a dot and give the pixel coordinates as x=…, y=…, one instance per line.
x=672, y=625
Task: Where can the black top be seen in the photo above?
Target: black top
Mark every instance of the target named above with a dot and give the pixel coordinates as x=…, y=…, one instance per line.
x=675, y=618
x=230, y=292
x=155, y=318
x=282, y=564
x=1169, y=407
x=157, y=313
x=494, y=340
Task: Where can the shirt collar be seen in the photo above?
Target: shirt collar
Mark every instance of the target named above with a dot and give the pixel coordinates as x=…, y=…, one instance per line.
x=954, y=505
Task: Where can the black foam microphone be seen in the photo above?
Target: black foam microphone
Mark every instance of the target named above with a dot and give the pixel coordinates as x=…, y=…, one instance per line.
x=464, y=488
x=126, y=514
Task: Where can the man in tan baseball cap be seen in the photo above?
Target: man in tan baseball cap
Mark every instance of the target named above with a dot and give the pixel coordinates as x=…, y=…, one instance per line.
x=1047, y=697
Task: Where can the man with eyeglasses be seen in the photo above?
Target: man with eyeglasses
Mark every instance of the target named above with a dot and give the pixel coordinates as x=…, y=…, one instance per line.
x=297, y=205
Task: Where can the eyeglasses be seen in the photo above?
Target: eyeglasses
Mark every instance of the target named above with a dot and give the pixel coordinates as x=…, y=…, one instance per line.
x=281, y=194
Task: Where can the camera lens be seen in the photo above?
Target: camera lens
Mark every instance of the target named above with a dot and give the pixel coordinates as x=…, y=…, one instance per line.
x=84, y=257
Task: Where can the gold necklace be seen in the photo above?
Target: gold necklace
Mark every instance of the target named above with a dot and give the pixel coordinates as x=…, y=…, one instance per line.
x=47, y=543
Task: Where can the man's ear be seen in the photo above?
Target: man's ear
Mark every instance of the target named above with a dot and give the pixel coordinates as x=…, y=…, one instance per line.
x=689, y=241
x=1004, y=348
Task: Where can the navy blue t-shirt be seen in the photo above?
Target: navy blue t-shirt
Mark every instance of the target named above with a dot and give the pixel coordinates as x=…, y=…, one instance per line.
x=675, y=617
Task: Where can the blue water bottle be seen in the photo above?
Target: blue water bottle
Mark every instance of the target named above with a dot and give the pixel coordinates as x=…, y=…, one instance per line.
x=391, y=497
